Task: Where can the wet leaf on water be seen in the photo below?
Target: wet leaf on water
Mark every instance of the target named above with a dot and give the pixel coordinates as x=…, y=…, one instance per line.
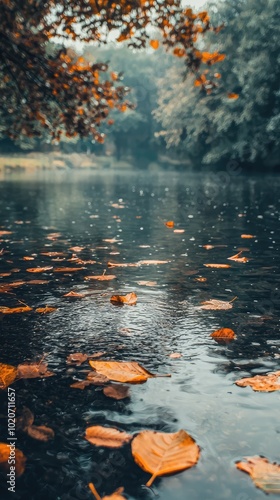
x=218, y=266
x=262, y=383
x=179, y=231
x=223, y=333
x=116, y=391
x=97, y=378
x=214, y=304
x=68, y=269
x=20, y=459
x=4, y=233
x=170, y=223
x=124, y=264
x=34, y=370
x=210, y=247
x=102, y=277
x=154, y=44
x=108, y=437
x=122, y=371
x=247, y=236
x=264, y=474
x=8, y=374
x=129, y=299
x=76, y=358
x=77, y=249
x=238, y=258
x=25, y=419
x=117, y=495
x=152, y=262
x=147, y=283
x=53, y=254
x=46, y=309
x=15, y=310
x=27, y=258
x=160, y=453
x=81, y=384
x=232, y=95
x=76, y=295
x=200, y=279
x=39, y=269
x=37, y=282
x=40, y=432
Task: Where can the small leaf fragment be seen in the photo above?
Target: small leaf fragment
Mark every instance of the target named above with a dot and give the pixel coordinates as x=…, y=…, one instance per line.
x=130, y=299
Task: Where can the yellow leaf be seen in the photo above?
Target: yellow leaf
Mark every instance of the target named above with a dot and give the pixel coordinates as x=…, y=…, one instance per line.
x=122, y=371
x=265, y=475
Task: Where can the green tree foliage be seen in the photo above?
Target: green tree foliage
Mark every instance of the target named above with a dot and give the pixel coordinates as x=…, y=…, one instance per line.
x=218, y=127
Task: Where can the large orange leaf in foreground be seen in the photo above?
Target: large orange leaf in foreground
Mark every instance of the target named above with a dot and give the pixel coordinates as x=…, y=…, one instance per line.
x=265, y=475
x=122, y=371
x=161, y=453
x=106, y=436
x=262, y=383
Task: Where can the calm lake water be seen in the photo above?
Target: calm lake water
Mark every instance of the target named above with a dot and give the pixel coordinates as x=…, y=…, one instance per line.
x=228, y=422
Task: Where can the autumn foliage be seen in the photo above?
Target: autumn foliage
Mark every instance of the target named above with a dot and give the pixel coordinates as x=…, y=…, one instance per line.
x=47, y=87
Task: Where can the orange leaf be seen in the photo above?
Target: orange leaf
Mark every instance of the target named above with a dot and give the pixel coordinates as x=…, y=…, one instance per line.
x=237, y=258
x=107, y=437
x=14, y=310
x=160, y=453
x=247, y=236
x=20, y=459
x=34, y=370
x=74, y=294
x=218, y=266
x=213, y=304
x=116, y=391
x=179, y=52
x=39, y=269
x=262, y=383
x=265, y=475
x=102, y=277
x=232, y=95
x=68, y=269
x=46, y=309
x=154, y=44
x=224, y=333
x=8, y=374
x=130, y=299
x=117, y=495
x=170, y=223
x=122, y=371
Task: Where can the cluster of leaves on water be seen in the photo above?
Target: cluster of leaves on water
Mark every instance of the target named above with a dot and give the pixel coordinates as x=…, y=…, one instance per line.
x=158, y=453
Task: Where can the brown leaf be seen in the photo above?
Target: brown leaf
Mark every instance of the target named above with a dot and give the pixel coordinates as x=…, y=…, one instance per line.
x=200, y=279
x=41, y=432
x=214, y=304
x=8, y=374
x=81, y=384
x=130, y=299
x=154, y=44
x=39, y=269
x=75, y=295
x=116, y=391
x=102, y=277
x=25, y=419
x=34, y=370
x=161, y=453
x=224, y=333
x=122, y=371
x=218, y=266
x=175, y=355
x=20, y=459
x=46, y=309
x=76, y=249
x=37, y=282
x=262, y=383
x=53, y=254
x=106, y=436
x=237, y=257
x=14, y=310
x=76, y=358
x=97, y=379
x=265, y=475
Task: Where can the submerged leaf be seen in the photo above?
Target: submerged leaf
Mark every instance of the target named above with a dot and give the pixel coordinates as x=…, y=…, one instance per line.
x=264, y=474
x=262, y=383
x=41, y=432
x=106, y=436
x=161, y=453
x=116, y=391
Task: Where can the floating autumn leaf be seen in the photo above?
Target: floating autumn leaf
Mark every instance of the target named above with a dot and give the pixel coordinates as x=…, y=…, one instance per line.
x=224, y=334
x=238, y=258
x=76, y=358
x=110, y=240
x=124, y=264
x=210, y=247
x=77, y=249
x=45, y=310
x=130, y=299
x=214, y=304
x=179, y=231
x=67, y=269
x=122, y=371
x=5, y=452
x=117, y=495
x=4, y=233
x=102, y=277
x=160, y=453
x=39, y=269
x=118, y=205
x=232, y=95
x=108, y=437
x=147, y=283
x=15, y=310
x=76, y=295
x=154, y=44
x=175, y=355
x=218, y=266
x=201, y=279
x=27, y=258
x=116, y=391
x=34, y=370
x=247, y=236
x=81, y=384
x=37, y=282
x=97, y=378
x=170, y=223
x=264, y=474
x=53, y=254
x=8, y=374
x=262, y=383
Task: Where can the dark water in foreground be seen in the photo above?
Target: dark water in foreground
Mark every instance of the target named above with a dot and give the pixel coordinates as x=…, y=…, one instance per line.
x=228, y=422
